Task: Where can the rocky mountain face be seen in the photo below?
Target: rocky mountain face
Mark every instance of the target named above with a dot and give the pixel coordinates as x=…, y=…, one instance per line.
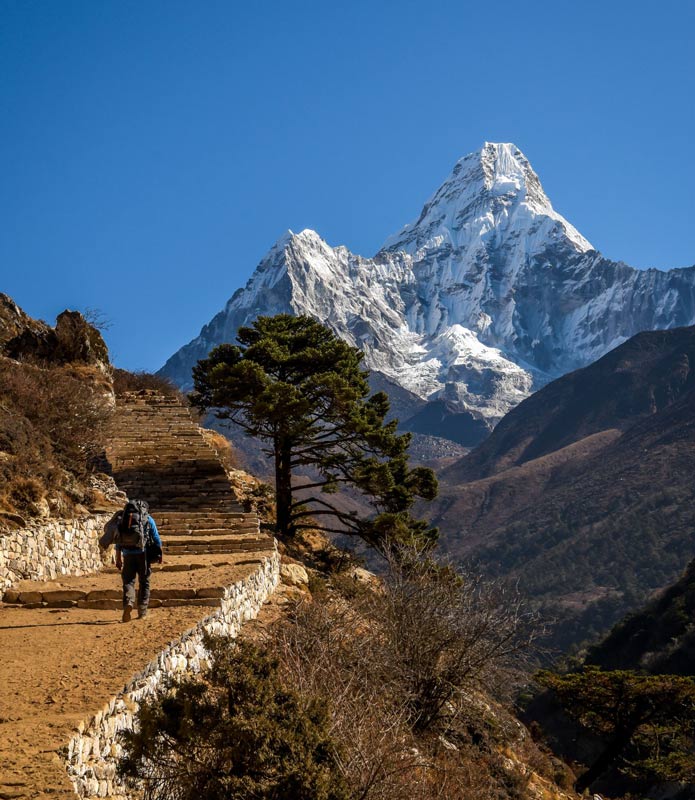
x=486, y=297
x=584, y=492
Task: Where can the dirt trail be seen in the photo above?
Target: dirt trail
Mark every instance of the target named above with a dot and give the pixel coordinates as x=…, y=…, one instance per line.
x=60, y=666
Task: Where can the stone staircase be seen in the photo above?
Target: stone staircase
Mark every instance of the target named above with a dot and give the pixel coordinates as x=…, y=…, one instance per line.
x=65, y=652
x=157, y=452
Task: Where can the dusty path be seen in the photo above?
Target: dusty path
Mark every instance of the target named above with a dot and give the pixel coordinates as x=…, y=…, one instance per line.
x=60, y=666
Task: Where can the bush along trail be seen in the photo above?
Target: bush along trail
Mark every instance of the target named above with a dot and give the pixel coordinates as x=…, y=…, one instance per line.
x=72, y=673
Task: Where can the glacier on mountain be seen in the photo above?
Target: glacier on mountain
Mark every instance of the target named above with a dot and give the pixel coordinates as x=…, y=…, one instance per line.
x=487, y=296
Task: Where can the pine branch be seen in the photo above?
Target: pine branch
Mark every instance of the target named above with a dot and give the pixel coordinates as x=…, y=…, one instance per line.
x=327, y=530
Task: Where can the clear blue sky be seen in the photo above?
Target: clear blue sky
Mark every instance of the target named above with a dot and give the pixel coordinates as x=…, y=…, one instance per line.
x=153, y=150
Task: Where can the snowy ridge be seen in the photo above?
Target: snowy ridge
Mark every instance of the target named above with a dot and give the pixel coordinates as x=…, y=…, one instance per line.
x=487, y=296
x=490, y=195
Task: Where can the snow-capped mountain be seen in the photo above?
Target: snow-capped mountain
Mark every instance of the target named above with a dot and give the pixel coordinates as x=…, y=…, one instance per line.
x=487, y=296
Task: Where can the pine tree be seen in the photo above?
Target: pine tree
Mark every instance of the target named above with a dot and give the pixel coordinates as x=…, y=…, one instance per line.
x=292, y=383
x=646, y=721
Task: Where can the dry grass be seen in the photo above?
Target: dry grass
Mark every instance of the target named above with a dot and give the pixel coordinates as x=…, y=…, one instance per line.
x=406, y=671
x=52, y=425
x=126, y=381
x=223, y=447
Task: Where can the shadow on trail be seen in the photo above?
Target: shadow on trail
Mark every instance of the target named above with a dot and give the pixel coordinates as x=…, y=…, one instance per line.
x=59, y=624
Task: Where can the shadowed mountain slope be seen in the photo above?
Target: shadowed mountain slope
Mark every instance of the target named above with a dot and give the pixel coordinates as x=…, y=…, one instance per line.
x=660, y=638
x=584, y=492
x=636, y=380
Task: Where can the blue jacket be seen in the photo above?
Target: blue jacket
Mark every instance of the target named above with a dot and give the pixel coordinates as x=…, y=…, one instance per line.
x=153, y=534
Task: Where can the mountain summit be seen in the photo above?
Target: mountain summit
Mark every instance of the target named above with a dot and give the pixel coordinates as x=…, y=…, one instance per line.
x=487, y=296
x=492, y=194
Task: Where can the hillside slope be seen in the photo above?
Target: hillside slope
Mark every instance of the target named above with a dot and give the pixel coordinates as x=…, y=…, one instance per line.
x=659, y=638
x=55, y=390
x=584, y=493
x=636, y=380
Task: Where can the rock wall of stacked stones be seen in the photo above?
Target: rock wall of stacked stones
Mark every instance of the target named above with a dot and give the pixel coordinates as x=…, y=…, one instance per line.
x=46, y=550
x=93, y=751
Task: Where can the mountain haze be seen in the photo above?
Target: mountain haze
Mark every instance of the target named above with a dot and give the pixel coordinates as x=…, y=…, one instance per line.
x=487, y=296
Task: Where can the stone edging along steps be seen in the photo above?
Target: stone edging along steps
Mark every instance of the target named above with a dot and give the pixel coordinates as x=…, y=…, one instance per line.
x=159, y=454
x=214, y=556
x=48, y=549
x=92, y=753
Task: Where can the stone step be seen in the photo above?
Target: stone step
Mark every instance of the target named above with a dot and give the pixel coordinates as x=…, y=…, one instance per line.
x=162, y=480
x=142, y=473
x=210, y=548
x=147, y=433
x=215, y=517
x=160, y=499
x=175, y=489
x=217, y=502
x=159, y=505
x=165, y=453
x=112, y=598
x=203, y=492
x=222, y=518
x=162, y=455
x=191, y=523
x=196, y=490
x=165, y=533
x=190, y=489
x=191, y=458
x=168, y=441
x=135, y=440
x=165, y=442
x=147, y=474
x=140, y=470
x=228, y=537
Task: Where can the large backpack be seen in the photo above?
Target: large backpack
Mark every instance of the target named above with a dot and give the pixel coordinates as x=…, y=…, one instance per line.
x=133, y=526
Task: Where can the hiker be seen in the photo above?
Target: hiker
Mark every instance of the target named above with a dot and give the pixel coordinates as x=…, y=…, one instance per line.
x=136, y=538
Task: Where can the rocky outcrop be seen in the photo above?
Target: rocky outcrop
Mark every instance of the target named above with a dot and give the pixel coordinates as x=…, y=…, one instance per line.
x=13, y=321
x=72, y=341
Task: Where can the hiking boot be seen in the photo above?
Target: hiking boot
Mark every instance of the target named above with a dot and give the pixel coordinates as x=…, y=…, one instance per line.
x=127, y=611
x=142, y=612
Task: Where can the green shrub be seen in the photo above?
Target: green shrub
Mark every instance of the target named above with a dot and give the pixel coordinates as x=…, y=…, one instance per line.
x=646, y=722
x=236, y=732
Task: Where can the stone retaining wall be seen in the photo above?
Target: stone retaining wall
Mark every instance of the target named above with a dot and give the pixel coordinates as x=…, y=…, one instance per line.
x=92, y=753
x=46, y=550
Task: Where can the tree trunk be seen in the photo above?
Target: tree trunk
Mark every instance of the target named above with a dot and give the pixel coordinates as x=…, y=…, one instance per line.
x=283, y=487
x=614, y=749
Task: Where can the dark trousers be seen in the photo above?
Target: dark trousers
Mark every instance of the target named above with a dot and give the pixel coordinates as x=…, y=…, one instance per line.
x=135, y=566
